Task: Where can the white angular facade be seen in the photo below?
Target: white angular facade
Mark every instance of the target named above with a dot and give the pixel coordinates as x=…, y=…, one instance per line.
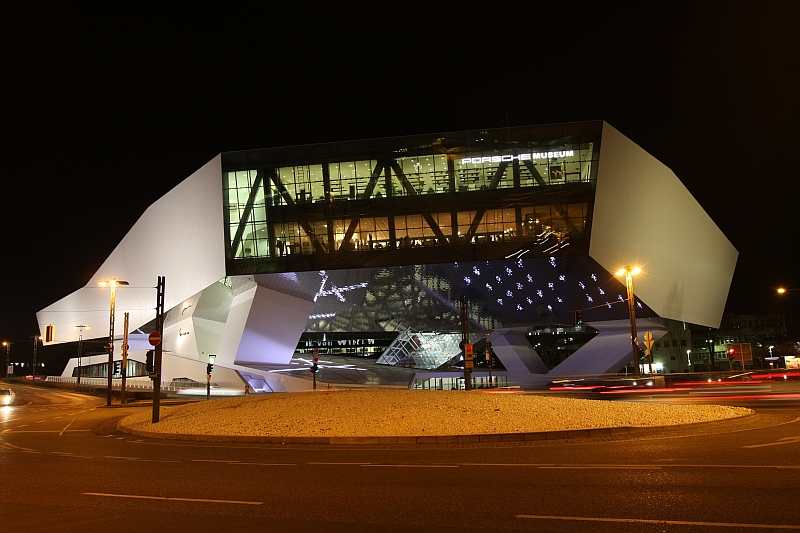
x=637, y=213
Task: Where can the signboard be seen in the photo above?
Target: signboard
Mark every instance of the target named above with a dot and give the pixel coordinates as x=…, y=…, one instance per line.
x=154, y=338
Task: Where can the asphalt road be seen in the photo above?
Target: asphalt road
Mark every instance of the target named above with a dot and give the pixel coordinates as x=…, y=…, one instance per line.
x=65, y=467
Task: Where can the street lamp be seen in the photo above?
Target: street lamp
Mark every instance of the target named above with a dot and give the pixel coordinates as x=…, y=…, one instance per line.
x=113, y=282
x=36, y=339
x=629, y=273
x=80, y=351
x=7, y=344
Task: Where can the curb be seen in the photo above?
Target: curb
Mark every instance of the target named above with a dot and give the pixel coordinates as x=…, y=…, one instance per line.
x=432, y=439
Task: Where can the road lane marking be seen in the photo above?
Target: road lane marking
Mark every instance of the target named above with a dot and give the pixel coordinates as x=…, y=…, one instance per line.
x=227, y=461
x=135, y=496
x=533, y=465
x=658, y=522
x=357, y=464
x=121, y=457
x=601, y=467
x=263, y=464
x=413, y=466
x=784, y=440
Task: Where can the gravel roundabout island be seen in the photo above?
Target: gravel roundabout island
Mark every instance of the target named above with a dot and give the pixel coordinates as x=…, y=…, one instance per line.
x=406, y=413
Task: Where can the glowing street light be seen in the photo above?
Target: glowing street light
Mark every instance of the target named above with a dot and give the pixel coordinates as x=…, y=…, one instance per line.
x=629, y=272
x=8, y=349
x=113, y=282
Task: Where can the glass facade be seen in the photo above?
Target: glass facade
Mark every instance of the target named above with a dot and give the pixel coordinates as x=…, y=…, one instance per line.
x=411, y=200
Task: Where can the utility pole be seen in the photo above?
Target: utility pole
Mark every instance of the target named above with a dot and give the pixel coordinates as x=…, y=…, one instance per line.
x=159, y=349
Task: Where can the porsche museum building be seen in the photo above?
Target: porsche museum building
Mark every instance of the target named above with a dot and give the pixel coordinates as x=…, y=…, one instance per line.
x=363, y=250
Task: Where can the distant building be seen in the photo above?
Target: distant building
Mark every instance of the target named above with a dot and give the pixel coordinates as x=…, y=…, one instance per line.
x=363, y=249
x=687, y=347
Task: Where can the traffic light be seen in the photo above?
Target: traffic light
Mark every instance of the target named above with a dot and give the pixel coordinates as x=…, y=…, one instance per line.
x=731, y=354
x=209, y=369
x=488, y=350
x=316, y=355
x=149, y=362
x=578, y=318
x=314, y=368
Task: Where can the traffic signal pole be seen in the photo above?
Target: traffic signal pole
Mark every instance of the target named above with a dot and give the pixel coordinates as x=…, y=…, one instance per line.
x=158, y=355
x=314, y=367
x=468, y=361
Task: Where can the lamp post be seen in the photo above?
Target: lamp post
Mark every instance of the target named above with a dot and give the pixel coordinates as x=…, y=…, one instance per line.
x=80, y=351
x=113, y=282
x=629, y=273
x=36, y=339
x=7, y=344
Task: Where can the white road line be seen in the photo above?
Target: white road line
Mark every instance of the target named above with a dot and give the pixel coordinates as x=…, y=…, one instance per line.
x=121, y=457
x=357, y=464
x=413, y=466
x=227, y=461
x=658, y=522
x=169, y=499
x=11, y=420
x=600, y=467
x=534, y=465
x=264, y=464
x=784, y=440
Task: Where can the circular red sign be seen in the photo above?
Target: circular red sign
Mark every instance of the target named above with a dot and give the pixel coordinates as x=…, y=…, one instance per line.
x=154, y=338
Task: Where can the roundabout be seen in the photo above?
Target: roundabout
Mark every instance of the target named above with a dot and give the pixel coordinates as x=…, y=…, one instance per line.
x=412, y=417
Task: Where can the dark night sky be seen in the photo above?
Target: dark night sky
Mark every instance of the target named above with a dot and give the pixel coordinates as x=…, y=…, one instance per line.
x=103, y=109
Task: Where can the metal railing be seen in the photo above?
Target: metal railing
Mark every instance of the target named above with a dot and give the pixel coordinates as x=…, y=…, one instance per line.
x=131, y=384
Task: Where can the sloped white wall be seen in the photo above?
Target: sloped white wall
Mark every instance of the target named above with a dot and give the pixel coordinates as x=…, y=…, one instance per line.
x=180, y=237
x=643, y=215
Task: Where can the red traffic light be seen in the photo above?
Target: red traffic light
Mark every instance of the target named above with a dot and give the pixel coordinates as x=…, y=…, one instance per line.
x=731, y=351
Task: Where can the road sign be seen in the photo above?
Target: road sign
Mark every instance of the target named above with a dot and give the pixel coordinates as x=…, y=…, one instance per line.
x=154, y=338
x=648, y=340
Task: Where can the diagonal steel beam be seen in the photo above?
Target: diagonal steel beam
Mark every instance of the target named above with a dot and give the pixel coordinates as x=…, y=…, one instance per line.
x=540, y=180
x=290, y=202
x=498, y=175
x=248, y=209
x=412, y=192
x=373, y=180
